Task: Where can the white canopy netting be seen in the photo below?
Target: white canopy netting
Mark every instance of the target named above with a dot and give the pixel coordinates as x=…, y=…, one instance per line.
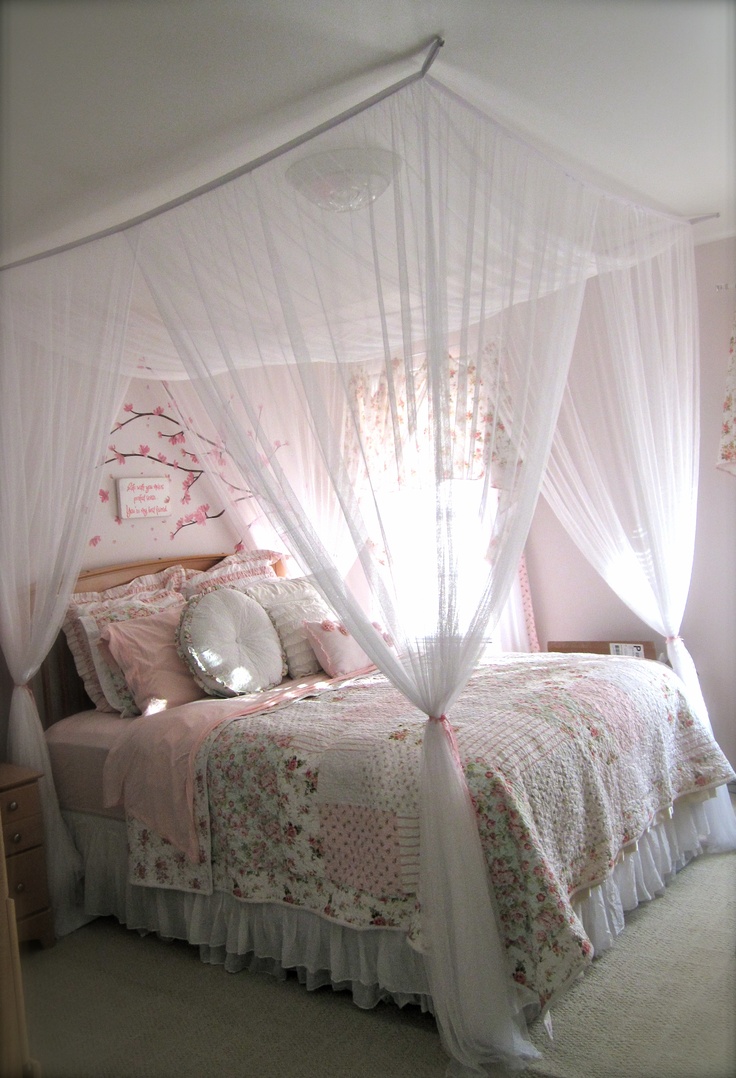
x=398, y=331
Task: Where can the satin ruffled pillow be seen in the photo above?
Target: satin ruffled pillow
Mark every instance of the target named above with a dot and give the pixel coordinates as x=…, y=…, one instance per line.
x=229, y=644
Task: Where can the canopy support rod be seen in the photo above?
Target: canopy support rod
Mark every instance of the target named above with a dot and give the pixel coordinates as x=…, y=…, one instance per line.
x=434, y=47
x=703, y=217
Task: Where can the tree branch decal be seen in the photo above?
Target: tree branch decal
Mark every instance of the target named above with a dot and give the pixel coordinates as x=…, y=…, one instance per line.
x=174, y=454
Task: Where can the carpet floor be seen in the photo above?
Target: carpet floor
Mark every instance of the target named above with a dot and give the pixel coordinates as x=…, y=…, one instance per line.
x=106, y=1003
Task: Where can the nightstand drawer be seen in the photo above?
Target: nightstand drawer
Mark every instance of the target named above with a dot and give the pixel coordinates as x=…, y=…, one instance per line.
x=27, y=883
x=22, y=834
x=19, y=802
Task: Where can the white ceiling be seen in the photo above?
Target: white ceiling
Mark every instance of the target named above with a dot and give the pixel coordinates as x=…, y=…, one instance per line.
x=110, y=108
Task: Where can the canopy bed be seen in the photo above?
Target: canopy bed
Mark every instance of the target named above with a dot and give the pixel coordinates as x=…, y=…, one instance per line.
x=383, y=339
x=296, y=847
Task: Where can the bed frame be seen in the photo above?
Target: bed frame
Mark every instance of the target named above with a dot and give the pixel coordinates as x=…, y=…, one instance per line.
x=57, y=687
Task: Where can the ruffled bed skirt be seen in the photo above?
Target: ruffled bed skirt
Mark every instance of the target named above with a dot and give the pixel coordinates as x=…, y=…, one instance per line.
x=373, y=964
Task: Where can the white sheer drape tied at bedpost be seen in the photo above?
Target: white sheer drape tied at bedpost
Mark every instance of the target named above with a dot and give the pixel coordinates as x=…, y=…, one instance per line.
x=62, y=331
x=623, y=471
x=479, y=1026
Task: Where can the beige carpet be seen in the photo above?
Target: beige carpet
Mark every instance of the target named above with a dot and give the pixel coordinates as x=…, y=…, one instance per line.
x=104, y=1003
x=662, y=1002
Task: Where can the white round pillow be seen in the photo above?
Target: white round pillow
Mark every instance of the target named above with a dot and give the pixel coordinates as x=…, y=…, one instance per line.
x=229, y=643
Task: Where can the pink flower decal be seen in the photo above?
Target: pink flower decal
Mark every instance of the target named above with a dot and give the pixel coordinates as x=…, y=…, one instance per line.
x=95, y=540
x=144, y=450
x=104, y=495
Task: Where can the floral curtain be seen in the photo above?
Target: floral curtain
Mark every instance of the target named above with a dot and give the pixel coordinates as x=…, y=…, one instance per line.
x=393, y=417
x=727, y=448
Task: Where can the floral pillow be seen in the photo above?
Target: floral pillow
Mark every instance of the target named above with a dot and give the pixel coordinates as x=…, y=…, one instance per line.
x=338, y=652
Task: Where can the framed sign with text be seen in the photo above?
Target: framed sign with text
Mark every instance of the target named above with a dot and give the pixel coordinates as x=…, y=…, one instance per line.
x=144, y=496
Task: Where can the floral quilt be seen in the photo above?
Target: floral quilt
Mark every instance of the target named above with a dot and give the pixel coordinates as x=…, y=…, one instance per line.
x=568, y=759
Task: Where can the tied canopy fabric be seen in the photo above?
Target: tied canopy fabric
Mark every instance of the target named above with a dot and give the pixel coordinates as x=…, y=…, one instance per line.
x=452, y=301
x=62, y=336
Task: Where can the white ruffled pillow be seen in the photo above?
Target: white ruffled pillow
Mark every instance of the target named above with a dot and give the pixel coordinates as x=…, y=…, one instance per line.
x=289, y=603
x=235, y=571
x=229, y=644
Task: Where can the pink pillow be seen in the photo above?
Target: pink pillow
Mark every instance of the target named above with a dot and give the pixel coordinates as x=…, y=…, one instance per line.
x=90, y=611
x=145, y=650
x=337, y=651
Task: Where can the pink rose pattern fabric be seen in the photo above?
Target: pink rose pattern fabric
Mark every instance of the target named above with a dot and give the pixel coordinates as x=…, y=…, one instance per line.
x=727, y=446
x=559, y=794
x=337, y=651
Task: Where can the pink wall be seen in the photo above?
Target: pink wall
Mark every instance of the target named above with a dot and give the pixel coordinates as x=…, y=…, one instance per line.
x=709, y=627
x=571, y=602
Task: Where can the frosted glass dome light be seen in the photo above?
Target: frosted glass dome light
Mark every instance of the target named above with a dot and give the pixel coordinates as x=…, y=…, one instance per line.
x=343, y=179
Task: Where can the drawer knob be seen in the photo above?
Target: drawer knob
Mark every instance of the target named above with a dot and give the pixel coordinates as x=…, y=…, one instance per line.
x=12, y=806
x=20, y=888
x=16, y=837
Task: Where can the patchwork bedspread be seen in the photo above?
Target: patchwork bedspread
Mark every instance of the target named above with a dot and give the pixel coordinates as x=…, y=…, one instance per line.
x=315, y=804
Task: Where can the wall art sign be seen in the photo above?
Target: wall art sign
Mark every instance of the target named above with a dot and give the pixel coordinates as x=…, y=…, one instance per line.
x=144, y=496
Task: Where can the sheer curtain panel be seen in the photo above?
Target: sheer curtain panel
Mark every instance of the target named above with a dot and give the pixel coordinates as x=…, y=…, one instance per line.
x=623, y=472
x=62, y=328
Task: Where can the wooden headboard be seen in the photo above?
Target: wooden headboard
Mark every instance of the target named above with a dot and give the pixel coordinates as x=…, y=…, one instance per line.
x=57, y=686
x=114, y=575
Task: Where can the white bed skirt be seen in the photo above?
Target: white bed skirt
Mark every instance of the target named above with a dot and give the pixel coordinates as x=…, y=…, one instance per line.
x=373, y=964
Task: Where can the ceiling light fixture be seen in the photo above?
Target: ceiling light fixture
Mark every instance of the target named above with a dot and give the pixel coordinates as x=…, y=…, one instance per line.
x=344, y=179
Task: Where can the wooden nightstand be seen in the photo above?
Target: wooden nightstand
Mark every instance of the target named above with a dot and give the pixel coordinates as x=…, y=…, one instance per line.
x=25, y=859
